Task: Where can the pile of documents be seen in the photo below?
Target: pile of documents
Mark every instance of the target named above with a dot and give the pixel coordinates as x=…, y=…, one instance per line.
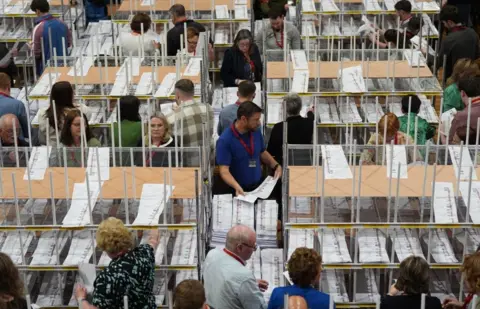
x=49, y=247
x=81, y=248
x=267, y=214
x=272, y=270
x=221, y=219
x=440, y=247
x=16, y=245
x=333, y=283
x=371, y=244
x=334, y=246
x=367, y=290
x=254, y=263
x=185, y=248
x=299, y=238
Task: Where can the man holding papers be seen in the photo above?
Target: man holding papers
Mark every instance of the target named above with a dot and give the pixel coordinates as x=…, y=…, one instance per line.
x=241, y=151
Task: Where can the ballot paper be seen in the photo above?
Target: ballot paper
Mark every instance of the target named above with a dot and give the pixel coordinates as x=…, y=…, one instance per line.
x=474, y=196
x=397, y=158
x=446, y=121
x=416, y=44
x=35, y=206
x=145, y=86
x=159, y=288
x=352, y=80
x=190, y=274
x=162, y=245
x=327, y=113
x=444, y=206
x=79, y=211
x=241, y=12
x=333, y=283
x=193, y=67
x=82, y=66
x=440, y=247
x=473, y=239
x=263, y=191
x=427, y=110
x=48, y=247
x=120, y=86
x=131, y=66
x=272, y=270
x=185, y=248
x=333, y=246
x=329, y=6
x=104, y=259
x=167, y=86
x=243, y=213
x=221, y=36
x=371, y=244
x=300, y=81
x=87, y=273
x=348, y=111
x=300, y=205
x=461, y=158
x=308, y=28
x=254, y=264
x=336, y=165
x=299, y=238
x=372, y=5
x=44, y=84
x=367, y=290
x=81, y=248
x=415, y=58
x=308, y=6
x=221, y=12
x=299, y=59
x=98, y=161
x=406, y=243
x=221, y=219
x=38, y=163
x=152, y=203
x=372, y=111
x=266, y=223
x=16, y=243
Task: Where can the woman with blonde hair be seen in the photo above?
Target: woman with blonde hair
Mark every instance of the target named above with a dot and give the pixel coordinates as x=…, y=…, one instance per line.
x=131, y=272
x=158, y=137
x=11, y=286
x=393, y=134
x=471, y=273
x=463, y=68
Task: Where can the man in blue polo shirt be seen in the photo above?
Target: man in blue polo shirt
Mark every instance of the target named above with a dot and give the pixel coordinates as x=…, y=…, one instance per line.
x=241, y=150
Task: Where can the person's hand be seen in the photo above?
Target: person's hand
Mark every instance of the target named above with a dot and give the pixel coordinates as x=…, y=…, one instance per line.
x=444, y=2
x=80, y=292
x=262, y=285
x=239, y=191
x=393, y=290
x=278, y=172
x=156, y=44
x=452, y=303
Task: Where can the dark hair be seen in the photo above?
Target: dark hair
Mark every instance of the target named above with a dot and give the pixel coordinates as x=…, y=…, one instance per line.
x=413, y=276
x=403, y=5
x=5, y=80
x=41, y=5
x=275, y=13
x=243, y=34
x=414, y=105
x=129, y=106
x=189, y=294
x=10, y=282
x=246, y=88
x=391, y=36
x=66, y=138
x=247, y=109
x=138, y=20
x=450, y=12
x=414, y=25
x=62, y=94
x=462, y=135
x=304, y=266
x=177, y=10
x=470, y=85
x=186, y=86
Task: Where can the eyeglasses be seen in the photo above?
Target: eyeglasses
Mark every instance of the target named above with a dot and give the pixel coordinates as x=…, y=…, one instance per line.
x=254, y=247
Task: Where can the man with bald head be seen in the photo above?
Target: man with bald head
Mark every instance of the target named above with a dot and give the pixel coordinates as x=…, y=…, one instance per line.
x=297, y=302
x=228, y=283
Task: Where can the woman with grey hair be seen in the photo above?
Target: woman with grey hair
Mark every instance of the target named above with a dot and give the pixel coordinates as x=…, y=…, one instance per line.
x=299, y=129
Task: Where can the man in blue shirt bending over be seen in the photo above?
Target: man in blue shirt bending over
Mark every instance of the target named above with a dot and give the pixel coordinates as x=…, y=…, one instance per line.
x=241, y=150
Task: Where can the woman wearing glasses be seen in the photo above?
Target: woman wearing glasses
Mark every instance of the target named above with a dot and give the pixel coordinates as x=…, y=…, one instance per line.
x=160, y=137
x=242, y=61
x=193, y=36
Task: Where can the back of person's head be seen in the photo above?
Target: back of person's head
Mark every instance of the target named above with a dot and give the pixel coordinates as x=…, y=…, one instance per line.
x=113, y=237
x=40, y=5
x=391, y=122
x=177, y=10
x=450, y=13
x=275, y=13
x=414, y=25
x=471, y=271
x=61, y=97
x=413, y=276
x=463, y=132
x=247, y=109
x=140, y=20
x=293, y=103
x=247, y=89
x=66, y=138
x=391, y=36
x=11, y=286
x=129, y=106
x=189, y=294
x=470, y=86
x=403, y=5
x=185, y=87
x=5, y=81
x=413, y=101
x=297, y=302
x=463, y=68
x=304, y=267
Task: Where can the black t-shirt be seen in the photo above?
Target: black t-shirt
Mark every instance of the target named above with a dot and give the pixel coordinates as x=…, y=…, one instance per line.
x=410, y=302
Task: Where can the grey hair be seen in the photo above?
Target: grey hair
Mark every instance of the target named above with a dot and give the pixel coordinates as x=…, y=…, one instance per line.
x=293, y=103
x=237, y=235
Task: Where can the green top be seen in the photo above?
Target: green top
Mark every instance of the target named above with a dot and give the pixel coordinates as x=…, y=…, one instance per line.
x=74, y=156
x=452, y=99
x=131, y=133
x=424, y=130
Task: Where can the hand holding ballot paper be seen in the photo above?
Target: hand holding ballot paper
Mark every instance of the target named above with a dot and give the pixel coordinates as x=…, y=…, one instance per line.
x=263, y=191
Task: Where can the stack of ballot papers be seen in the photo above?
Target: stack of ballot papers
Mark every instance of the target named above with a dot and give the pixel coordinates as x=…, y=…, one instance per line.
x=49, y=247
x=51, y=290
x=243, y=213
x=272, y=270
x=81, y=248
x=267, y=215
x=16, y=245
x=159, y=288
x=367, y=290
x=333, y=283
x=299, y=238
x=334, y=246
x=300, y=206
x=407, y=243
x=371, y=244
x=473, y=239
x=221, y=219
x=254, y=264
x=185, y=248
x=440, y=247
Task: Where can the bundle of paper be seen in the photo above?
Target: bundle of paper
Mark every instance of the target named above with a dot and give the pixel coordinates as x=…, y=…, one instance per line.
x=473, y=239
x=333, y=283
x=299, y=238
x=185, y=248
x=267, y=215
x=406, y=243
x=191, y=274
x=221, y=219
x=81, y=248
x=444, y=205
x=16, y=244
x=189, y=210
x=327, y=112
x=51, y=290
x=159, y=288
x=243, y=213
x=272, y=270
x=254, y=264
x=440, y=247
x=371, y=244
x=152, y=203
x=367, y=290
x=334, y=246
x=49, y=248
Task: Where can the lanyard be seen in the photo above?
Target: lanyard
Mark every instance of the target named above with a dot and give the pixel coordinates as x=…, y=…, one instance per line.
x=458, y=28
x=234, y=256
x=238, y=103
x=396, y=140
x=476, y=100
x=250, y=149
x=279, y=44
x=3, y=94
x=467, y=301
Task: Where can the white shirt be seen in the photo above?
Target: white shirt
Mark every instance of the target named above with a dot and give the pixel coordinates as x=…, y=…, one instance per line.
x=132, y=43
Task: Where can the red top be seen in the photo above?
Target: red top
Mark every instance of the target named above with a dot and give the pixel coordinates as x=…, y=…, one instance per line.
x=476, y=100
x=458, y=28
x=233, y=255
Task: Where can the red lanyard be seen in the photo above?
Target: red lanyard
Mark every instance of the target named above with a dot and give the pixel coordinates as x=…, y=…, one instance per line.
x=467, y=301
x=251, y=63
x=238, y=103
x=458, y=28
x=234, y=256
x=476, y=100
x=396, y=141
x=250, y=149
x=4, y=94
x=279, y=44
